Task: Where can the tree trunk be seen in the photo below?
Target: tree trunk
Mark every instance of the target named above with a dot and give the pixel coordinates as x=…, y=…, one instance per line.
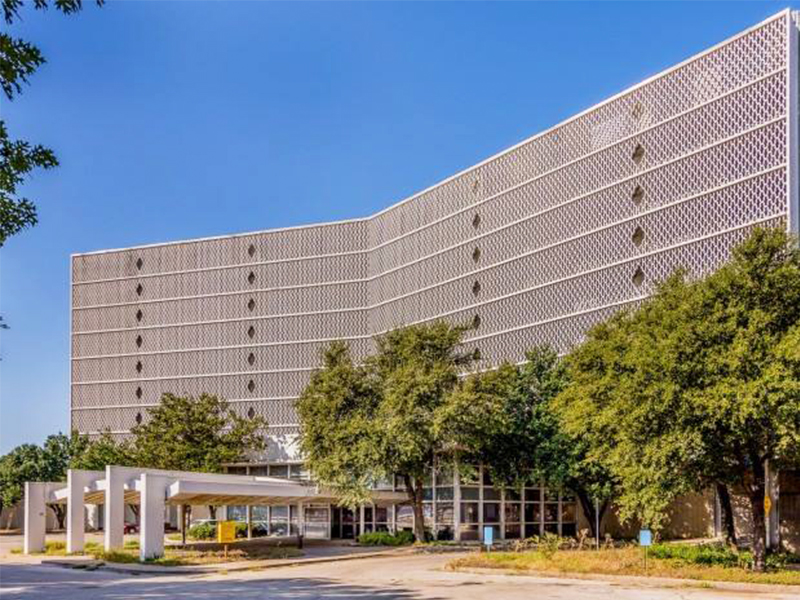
x=726, y=508
x=587, y=504
x=212, y=512
x=135, y=511
x=415, y=496
x=757, y=489
x=60, y=513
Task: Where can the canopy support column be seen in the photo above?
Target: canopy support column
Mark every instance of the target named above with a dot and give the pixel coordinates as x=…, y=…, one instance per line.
x=35, y=517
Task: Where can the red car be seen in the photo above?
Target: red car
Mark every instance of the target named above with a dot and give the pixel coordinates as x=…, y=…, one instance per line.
x=131, y=528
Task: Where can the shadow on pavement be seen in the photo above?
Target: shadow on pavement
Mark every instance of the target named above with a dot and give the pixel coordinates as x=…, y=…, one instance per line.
x=26, y=582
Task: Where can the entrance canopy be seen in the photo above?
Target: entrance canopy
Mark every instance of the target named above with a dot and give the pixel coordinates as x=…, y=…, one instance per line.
x=153, y=489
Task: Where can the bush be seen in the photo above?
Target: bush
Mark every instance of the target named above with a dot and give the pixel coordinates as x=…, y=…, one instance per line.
x=384, y=538
x=203, y=531
x=703, y=554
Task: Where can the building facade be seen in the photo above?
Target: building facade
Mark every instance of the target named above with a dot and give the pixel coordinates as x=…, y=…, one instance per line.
x=534, y=245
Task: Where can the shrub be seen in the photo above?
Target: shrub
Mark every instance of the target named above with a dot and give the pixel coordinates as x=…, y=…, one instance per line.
x=384, y=538
x=549, y=544
x=203, y=531
x=703, y=554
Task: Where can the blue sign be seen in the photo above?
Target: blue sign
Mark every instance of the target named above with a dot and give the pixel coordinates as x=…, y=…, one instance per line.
x=488, y=535
x=645, y=537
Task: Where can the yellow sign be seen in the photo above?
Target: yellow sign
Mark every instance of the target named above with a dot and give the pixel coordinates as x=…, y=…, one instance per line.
x=226, y=532
x=767, y=504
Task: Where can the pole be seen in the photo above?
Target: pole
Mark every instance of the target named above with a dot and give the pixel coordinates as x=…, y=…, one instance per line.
x=597, y=522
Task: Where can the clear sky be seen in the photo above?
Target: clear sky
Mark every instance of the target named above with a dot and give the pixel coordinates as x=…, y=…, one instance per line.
x=177, y=120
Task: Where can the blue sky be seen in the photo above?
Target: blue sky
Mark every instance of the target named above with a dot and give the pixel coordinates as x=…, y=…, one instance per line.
x=185, y=119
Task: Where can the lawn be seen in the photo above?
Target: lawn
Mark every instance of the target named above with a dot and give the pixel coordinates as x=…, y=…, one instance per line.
x=175, y=557
x=629, y=561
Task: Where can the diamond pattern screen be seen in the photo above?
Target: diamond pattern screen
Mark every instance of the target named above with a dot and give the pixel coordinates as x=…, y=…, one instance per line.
x=534, y=245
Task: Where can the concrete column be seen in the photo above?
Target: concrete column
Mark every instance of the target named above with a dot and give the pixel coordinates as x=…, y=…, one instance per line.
x=152, y=494
x=301, y=520
x=35, y=517
x=114, y=532
x=456, y=503
x=249, y=522
x=76, y=523
x=360, y=520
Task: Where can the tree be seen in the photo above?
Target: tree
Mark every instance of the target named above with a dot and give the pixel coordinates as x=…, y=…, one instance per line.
x=18, y=61
x=699, y=386
x=362, y=424
x=505, y=419
x=195, y=434
x=30, y=462
x=22, y=464
x=103, y=451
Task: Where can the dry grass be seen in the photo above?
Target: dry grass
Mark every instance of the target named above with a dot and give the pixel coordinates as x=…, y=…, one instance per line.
x=211, y=554
x=618, y=561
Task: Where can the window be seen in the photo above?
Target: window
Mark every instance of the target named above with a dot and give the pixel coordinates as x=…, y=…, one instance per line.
x=139, y=263
x=476, y=184
x=251, y=358
x=638, y=236
x=251, y=385
x=251, y=412
x=139, y=315
x=476, y=220
x=476, y=254
x=476, y=321
x=638, y=195
x=139, y=289
x=139, y=418
x=139, y=366
x=139, y=392
x=251, y=278
x=476, y=354
x=251, y=305
x=476, y=288
x=138, y=341
x=251, y=250
x=251, y=332
x=638, y=276
x=637, y=111
x=638, y=154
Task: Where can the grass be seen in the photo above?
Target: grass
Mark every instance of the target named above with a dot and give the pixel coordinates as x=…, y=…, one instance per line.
x=174, y=557
x=626, y=561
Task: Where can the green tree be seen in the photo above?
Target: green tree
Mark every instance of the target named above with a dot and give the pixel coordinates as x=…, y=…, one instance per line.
x=103, y=451
x=18, y=158
x=505, y=419
x=362, y=424
x=698, y=386
x=184, y=433
x=21, y=464
x=30, y=462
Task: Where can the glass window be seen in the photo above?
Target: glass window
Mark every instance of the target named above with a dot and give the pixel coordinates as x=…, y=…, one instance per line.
x=551, y=513
x=568, y=529
x=444, y=474
x=237, y=470
x=404, y=516
x=298, y=472
x=470, y=493
x=469, y=532
x=489, y=493
x=381, y=514
x=512, y=531
x=279, y=471
x=512, y=495
x=469, y=474
x=444, y=493
x=532, y=529
x=260, y=513
x=533, y=495
x=444, y=513
x=487, y=477
x=368, y=514
x=550, y=495
x=532, y=512
x=237, y=513
x=260, y=471
x=469, y=512
x=513, y=512
x=491, y=512
x=279, y=520
x=551, y=528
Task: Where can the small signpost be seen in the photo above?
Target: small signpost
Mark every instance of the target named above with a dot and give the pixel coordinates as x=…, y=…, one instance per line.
x=488, y=537
x=645, y=540
x=226, y=533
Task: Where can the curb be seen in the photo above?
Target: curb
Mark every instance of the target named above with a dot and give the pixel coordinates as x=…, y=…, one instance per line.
x=731, y=586
x=144, y=569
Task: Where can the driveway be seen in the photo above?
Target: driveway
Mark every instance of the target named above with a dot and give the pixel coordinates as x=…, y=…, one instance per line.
x=392, y=578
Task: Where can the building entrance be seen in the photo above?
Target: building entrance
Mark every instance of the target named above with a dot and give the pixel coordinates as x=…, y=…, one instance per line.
x=342, y=523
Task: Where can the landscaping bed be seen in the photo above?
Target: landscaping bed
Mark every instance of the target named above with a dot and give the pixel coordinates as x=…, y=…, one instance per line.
x=177, y=556
x=708, y=562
